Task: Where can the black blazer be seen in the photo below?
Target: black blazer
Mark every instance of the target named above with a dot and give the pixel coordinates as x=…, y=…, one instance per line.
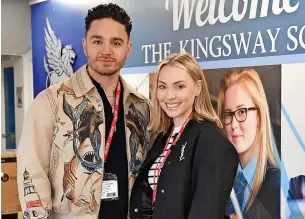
x=197, y=186
x=266, y=205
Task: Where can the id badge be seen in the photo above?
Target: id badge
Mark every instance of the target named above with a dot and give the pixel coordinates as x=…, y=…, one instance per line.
x=110, y=187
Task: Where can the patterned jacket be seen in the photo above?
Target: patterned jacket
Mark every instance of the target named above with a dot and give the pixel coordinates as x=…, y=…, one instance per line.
x=61, y=149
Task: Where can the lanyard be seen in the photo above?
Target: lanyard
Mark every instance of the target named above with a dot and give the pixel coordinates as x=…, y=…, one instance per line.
x=114, y=120
x=167, y=153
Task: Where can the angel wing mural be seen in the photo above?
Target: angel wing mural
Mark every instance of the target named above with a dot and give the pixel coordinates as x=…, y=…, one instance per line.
x=59, y=60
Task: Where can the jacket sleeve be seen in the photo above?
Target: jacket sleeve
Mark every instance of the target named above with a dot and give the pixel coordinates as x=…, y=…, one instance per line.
x=214, y=169
x=33, y=155
x=150, y=136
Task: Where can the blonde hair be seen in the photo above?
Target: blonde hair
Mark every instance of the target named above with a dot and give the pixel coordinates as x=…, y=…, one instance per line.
x=250, y=80
x=202, y=107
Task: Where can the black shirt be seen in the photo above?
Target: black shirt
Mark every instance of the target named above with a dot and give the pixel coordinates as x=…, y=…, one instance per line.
x=116, y=161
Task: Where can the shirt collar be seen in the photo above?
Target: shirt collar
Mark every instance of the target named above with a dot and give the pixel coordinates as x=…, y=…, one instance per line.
x=82, y=84
x=249, y=170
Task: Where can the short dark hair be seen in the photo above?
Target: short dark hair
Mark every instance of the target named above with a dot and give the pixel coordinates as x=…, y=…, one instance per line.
x=112, y=11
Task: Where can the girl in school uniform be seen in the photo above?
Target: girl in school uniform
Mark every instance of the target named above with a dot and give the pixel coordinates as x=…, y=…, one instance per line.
x=244, y=112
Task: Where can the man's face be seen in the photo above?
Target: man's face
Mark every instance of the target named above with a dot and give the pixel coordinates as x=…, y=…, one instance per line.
x=107, y=46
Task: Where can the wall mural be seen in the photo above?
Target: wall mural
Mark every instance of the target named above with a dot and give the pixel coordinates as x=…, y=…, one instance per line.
x=58, y=61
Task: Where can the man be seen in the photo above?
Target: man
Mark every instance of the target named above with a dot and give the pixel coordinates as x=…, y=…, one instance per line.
x=84, y=139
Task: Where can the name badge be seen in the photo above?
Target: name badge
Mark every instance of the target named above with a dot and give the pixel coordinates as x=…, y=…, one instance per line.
x=110, y=187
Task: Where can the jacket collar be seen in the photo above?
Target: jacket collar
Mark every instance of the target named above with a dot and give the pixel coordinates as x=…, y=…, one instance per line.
x=82, y=84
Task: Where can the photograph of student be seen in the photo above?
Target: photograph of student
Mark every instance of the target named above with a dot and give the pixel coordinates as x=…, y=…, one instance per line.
x=270, y=76
x=244, y=111
x=190, y=170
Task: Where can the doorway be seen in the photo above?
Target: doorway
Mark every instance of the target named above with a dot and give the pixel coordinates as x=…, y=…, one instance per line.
x=9, y=132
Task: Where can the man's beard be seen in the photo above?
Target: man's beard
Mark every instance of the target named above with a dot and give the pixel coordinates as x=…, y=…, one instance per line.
x=108, y=72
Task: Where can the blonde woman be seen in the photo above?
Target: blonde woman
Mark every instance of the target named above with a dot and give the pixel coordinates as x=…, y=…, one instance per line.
x=244, y=111
x=190, y=170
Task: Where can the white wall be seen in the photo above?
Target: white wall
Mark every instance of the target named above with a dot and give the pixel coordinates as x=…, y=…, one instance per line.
x=18, y=82
x=28, y=89
x=23, y=78
x=15, y=26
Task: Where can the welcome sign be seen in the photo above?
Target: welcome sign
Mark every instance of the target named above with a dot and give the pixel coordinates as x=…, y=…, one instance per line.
x=215, y=30
x=211, y=30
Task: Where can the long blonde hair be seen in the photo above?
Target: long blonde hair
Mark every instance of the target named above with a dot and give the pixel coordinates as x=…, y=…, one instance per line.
x=250, y=80
x=202, y=107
